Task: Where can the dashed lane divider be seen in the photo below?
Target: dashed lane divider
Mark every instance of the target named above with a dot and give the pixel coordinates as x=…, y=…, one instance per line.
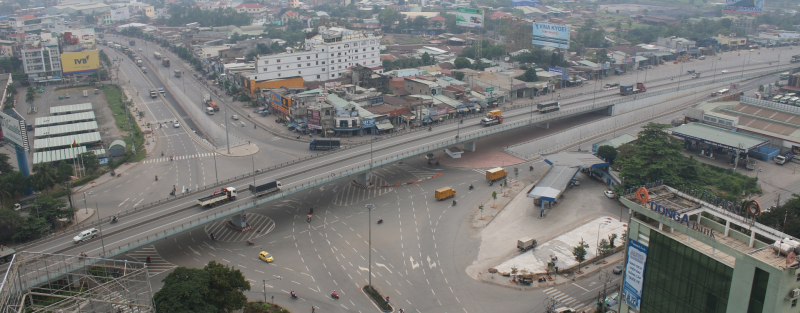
x=413, y=182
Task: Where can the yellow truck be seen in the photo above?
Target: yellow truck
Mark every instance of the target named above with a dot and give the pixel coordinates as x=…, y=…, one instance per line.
x=496, y=174
x=492, y=118
x=444, y=193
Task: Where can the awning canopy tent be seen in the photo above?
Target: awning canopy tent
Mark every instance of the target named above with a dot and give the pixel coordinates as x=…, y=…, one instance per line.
x=719, y=137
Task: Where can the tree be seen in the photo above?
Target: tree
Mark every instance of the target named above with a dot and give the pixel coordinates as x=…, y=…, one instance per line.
x=529, y=75
x=426, y=58
x=64, y=171
x=494, y=197
x=51, y=209
x=5, y=165
x=29, y=229
x=185, y=290
x=44, y=177
x=30, y=97
x=657, y=157
x=604, y=248
x=460, y=75
x=226, y=287
x=611, y=239
x=580, y=253
x=607, y=153
x=90, y=161
x=461, y=62
x=420, y=23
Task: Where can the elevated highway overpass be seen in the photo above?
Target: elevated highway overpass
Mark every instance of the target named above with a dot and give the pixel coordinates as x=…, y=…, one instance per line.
x=164, y=218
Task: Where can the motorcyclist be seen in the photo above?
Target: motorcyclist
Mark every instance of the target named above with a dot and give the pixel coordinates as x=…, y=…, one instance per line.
x=454, y=202
x=156, y=177
x=162, y=153
x=250, y=242
x=114, y=218
x=430, y=127
x=334, y=294
x=293, y=294
x=380, y=221
x=470, y=187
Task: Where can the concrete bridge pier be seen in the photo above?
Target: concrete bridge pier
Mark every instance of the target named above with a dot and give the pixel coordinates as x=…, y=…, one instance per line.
x=239, y=220
x=469, y=146
x=545, y=125
x=363, y=178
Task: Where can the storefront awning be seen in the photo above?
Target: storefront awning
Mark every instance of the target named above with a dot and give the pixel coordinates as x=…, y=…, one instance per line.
x=385, y=126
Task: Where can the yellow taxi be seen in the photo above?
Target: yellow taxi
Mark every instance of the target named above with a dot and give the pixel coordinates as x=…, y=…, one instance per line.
x=752, y=50
x=266, y=257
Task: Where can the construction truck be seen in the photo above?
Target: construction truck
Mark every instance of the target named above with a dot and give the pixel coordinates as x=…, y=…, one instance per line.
x=496, y=174
x=218, y=197
x=492, y=118
x=795, y=59
x=211, y=104
x=264, y=189
x=625, y=90
x=157, y=55
x=177, y=73
x=6, y=254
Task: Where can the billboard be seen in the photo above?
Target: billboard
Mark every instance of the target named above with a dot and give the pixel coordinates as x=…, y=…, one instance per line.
x=469, y=17
x=551, y=35
x=280, y=103
x=13, y=126
x=634, y=275
x=73, y=63
x=744, y=6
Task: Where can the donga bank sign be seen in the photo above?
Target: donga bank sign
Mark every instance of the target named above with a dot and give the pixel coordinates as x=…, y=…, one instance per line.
x=80, y=62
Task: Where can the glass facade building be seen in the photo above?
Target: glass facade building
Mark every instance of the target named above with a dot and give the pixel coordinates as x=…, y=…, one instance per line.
x=680, y=279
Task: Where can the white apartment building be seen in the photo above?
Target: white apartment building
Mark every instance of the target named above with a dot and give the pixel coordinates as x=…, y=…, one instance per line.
x=42, y=61
x=325, y=56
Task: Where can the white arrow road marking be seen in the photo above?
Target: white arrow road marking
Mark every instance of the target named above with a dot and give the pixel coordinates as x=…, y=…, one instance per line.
x=431, y=264
x=414, y=265
x=384, y=266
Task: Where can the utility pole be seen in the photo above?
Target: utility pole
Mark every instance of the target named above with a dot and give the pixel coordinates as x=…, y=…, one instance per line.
x=370, y=206
x=605, y=278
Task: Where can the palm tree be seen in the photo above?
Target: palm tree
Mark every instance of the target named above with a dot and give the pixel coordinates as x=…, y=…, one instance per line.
x=44, y=177
x=30, y=97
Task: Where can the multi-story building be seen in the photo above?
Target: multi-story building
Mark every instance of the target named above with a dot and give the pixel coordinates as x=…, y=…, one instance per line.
x=115, y=15
x=251, y=8
x=325, y=56
x=41, y=60
x=691, y=251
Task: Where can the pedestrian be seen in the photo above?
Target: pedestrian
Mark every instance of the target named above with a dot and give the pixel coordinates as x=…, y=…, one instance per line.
x=148, y=259
x=387, y=299
x=312, y=309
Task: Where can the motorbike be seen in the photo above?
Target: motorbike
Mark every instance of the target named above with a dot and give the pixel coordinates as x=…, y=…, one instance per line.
x=462, y=121
x=380, y=221
x=471, y=187
x=437, y=163
x=454, y=202
x=114, y=220
x=172, y=193
x=309, y=218
x=335, y=295
x=294, y=295
x=430, y=128
x=250, y=243
x=491, y=183
x=530, y=168
x=156, y=178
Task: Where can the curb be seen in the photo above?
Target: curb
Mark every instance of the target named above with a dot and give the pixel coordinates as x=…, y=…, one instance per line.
x=413, y=182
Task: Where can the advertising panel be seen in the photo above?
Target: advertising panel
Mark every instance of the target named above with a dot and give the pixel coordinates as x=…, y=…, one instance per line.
x=84, y=35
x=73, y=63
x=367, y=123
x=280, y=103
x=13, y=126
x=744, y=6
x=313, y=119
x=469, y=17
x=634, y=274
x=551, y=35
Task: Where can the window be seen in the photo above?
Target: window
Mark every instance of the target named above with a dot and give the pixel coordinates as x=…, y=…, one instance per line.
x=279, y=60
x=331, y=54
x=266, y=61
x=333, y=67
x=373, y=48
x=758, y=292
x=279, y=67
x=323, y=62
x=317, y=76
x=794, y=302
x=298, y=65
x=373, y=61
x=323, y=50
x=266, y=69
x=298, y=58
x=323, y=69
x=340, y=54
x=279, y=74
x=308, y=64
x=333, y=75
x=298, y=73
x=308, y=57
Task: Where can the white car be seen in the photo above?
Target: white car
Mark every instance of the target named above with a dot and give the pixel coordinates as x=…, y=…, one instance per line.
x=610, y=194
x=86, y=235
x=235, y=117
x=724, y=71
x=176, y=125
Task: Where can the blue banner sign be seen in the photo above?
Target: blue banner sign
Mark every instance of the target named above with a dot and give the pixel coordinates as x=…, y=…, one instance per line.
x=634, y=274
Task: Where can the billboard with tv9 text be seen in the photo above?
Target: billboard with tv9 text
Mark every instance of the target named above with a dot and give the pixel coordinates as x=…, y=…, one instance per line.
x=83, y=62
x=744, y=6
x=551, y=35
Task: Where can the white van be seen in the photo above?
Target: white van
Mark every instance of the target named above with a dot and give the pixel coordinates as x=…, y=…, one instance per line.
x=209, y=110
x=85, y=93
x=235, y=117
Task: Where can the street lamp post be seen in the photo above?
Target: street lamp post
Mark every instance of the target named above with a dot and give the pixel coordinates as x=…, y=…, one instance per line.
x=84, y=204
x=369, y=207
x=597, y=246
x=100, y=228
x=265, y=286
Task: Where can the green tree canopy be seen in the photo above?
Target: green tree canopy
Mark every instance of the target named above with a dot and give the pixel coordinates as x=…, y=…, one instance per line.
x=607, y=153
x=657, y=157
x=461, y=62
x=528, y=76
x=215, y=288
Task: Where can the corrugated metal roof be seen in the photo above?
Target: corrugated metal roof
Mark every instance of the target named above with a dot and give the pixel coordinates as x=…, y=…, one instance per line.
x=65, y=129
x=553, y=183
x=62, y=154
x=718, y=136
x=80, y=107
x=63, y=119
x=65, y=141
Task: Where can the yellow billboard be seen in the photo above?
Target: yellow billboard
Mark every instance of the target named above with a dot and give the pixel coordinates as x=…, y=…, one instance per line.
x=80, y=62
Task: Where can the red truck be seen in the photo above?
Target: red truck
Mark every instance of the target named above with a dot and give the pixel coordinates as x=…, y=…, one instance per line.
x=165, y=62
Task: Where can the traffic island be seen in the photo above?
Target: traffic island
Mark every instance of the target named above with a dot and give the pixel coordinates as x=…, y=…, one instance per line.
x=375, y=296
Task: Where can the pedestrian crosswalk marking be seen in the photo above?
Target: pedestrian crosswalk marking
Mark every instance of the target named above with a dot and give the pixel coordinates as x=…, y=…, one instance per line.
x=483, y=171
x=180, y=157
x=157, y=264
x=351, y=194
x=559, y=296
